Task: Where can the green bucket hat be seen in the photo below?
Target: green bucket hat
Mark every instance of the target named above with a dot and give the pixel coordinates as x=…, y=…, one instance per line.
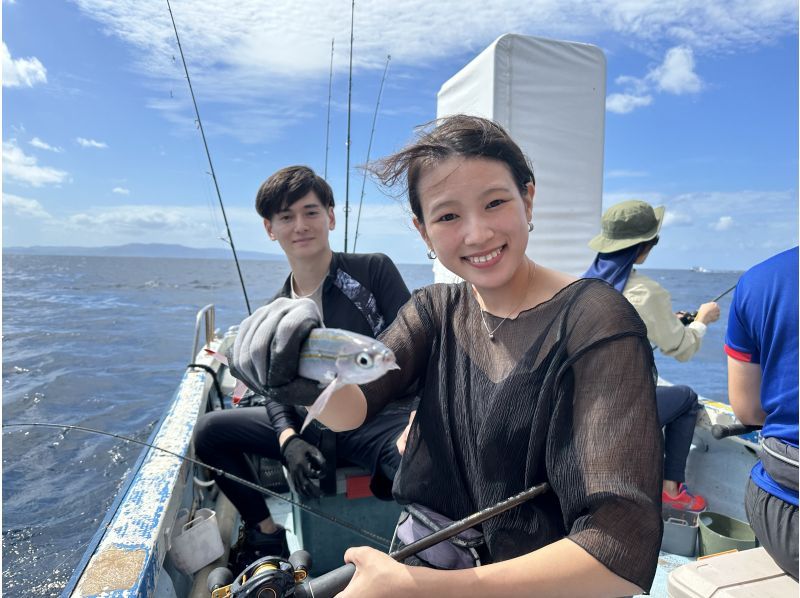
x=627, y=224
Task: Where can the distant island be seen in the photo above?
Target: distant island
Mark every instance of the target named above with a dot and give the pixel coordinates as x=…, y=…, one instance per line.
x=157, y=250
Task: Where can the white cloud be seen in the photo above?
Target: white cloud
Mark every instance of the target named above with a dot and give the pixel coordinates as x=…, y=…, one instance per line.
x=273, y=54
x=22, y=72
x=724, y=223
x=83, y=142
x=622, y=103
x=140, y=221
x=36, y=142
x=675, y=218
x=121, y=191
x=676, y=74
x=20, y=167
x=293, y=38
x=24, y=207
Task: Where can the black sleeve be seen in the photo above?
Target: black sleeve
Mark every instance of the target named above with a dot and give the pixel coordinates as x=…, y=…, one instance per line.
x=411, y=342
x=388, y=287
x=281, y=416
x=607, y=458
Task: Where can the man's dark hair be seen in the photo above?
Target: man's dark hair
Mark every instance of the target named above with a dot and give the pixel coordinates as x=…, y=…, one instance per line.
x=453, y=136
x=288, y=185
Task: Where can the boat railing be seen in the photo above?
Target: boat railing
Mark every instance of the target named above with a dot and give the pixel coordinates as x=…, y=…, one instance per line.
x=207, y=316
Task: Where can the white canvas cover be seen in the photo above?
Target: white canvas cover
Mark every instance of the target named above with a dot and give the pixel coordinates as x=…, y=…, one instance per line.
x=550, y=96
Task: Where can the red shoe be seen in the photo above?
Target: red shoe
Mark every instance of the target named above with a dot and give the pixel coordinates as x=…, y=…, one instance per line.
x=684, y=501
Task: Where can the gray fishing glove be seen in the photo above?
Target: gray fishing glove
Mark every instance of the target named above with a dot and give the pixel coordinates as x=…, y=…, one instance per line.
x=266, y=351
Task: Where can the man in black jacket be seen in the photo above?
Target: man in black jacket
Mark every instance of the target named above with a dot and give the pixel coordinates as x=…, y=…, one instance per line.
x=357, y=292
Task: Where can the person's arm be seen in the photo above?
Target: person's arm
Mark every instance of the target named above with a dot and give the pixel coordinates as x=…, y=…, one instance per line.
x=560, y=569
x=345, y=410
x=744, y=369
x=282, y=417
x=744, y=391
x=653, y=304
x=410, y=341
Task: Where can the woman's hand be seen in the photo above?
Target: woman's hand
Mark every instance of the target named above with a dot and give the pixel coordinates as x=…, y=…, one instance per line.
x=377, y=575
x=403, y=438
x=708, y=313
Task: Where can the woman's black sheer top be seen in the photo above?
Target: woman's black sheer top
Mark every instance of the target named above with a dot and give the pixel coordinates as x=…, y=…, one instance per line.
x=565, y=394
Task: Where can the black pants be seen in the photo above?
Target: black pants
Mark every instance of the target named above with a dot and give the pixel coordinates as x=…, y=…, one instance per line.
x=774, y=522
x=677, y=414
x=222, y=438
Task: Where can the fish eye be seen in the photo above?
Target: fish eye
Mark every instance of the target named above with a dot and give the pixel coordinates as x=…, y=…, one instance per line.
x=364, y=360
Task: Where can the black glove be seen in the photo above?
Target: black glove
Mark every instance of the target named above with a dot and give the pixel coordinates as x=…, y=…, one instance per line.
x=266, y=351
x=304, y=462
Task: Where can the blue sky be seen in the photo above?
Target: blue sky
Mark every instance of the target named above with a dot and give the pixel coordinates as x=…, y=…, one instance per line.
x=100, y=145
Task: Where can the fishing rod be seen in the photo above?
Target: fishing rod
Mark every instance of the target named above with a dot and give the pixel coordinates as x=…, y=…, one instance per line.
x=687, y=317
x=369, y=148
x=328, y=126
x=280, y=578
x=210, y=163
x=721, y=295
x=333, y=582
x=372, y=537
x=349, y=104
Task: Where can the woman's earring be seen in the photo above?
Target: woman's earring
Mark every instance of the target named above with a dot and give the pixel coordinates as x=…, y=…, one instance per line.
x=530, y=227
x=431, y=254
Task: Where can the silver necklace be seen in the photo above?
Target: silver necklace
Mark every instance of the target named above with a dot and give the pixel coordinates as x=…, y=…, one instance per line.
x=503, y=321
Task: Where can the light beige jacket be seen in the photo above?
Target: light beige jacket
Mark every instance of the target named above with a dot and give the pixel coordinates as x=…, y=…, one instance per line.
x=664, y=329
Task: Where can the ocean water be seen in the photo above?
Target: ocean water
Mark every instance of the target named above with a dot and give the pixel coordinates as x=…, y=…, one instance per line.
x=103, y=342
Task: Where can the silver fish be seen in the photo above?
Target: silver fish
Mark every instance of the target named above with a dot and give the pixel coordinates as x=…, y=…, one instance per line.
x=336, y=357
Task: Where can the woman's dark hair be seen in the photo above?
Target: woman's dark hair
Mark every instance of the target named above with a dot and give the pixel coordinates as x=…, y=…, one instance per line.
x=441, y=139
x=288, y=185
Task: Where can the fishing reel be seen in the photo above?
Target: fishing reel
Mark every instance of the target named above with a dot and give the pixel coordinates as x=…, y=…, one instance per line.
x=687, y=317
x=268, y=577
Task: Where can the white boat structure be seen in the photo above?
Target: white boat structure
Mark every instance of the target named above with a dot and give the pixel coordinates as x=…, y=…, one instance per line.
x=551, y=96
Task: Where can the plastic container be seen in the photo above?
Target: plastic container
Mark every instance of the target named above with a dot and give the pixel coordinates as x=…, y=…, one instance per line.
x=747, y=574
x=680, y=531
x=719, y=533
x=196, y=543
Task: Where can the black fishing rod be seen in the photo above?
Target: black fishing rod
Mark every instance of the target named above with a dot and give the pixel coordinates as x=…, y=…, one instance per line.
x=328, y=126
x=369, y=148
x=208, y=155
x=687, y=317
x=330, y=584
x=372, y=537
x=281, y=578
x=349, y=103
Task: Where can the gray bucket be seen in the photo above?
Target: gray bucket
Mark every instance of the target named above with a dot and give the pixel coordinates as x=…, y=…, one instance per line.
x=720, y=533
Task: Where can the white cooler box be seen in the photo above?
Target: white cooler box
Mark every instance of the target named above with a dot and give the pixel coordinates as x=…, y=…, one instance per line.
x=750, y=573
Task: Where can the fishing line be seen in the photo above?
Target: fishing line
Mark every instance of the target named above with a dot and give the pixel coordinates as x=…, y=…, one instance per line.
x=328, y=126
x=369, y=149
x=210, y=163
x=198, y=159
x=349, y=104
x=372, y=537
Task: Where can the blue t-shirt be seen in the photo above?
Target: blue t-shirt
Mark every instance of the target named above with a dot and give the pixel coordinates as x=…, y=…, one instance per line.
x=763, y=328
